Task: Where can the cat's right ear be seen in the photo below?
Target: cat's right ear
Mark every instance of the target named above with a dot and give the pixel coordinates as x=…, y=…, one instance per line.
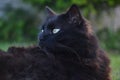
x=49, y=12
x=74, y=14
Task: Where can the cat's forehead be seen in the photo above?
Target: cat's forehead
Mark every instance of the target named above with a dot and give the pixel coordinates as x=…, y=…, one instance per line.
x=55, y=19
x=52, y=19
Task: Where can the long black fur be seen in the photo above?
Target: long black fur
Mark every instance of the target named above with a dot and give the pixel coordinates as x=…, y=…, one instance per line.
x=71, y=54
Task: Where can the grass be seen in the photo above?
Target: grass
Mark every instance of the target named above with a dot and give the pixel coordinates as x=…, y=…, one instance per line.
x=115, y=65
x=5, y=45
x=114, y=57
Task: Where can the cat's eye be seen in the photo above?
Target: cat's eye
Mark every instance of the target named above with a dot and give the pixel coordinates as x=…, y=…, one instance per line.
x=55, y=31
x=42, y=30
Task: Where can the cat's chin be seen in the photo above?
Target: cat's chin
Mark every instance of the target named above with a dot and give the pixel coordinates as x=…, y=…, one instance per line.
x=58, y=48
x=61, y=49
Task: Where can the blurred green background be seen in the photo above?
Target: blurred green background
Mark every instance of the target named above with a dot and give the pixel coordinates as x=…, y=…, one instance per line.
x=20, y=22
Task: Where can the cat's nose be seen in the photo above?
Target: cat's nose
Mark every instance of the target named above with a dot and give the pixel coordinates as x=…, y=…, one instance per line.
x=41, y=38
x=44, y=35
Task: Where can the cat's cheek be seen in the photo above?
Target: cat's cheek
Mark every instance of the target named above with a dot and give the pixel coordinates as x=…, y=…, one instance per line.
x=49, y=43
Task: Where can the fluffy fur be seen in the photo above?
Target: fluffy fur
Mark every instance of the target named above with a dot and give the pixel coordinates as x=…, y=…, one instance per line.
x=71, y=54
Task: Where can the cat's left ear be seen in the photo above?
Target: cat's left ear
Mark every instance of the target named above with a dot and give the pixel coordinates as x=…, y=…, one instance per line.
x=74, y=14
x=49, y=12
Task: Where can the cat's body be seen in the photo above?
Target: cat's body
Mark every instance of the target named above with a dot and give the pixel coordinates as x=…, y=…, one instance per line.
x=69, y=51
x=74, y=45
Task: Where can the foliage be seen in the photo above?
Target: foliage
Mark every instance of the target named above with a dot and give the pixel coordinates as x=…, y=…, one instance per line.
x=94, y=6
x=18, y=25
x=109, y=39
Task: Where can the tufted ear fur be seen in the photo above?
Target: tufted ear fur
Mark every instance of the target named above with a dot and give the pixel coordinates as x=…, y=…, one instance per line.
x=74, y=14
x=50, y=12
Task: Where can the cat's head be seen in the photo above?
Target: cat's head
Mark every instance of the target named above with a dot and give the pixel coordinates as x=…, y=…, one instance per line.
x=66, y=30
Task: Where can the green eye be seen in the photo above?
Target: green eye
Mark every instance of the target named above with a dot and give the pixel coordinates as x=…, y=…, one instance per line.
x=55, y=31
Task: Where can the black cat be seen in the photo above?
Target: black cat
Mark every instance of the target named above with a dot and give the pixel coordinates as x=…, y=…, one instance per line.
x=68, y=37
x=69, y=51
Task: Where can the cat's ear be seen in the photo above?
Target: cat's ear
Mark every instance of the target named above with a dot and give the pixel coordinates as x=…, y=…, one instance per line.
x=49, y=12
x=74, y=14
